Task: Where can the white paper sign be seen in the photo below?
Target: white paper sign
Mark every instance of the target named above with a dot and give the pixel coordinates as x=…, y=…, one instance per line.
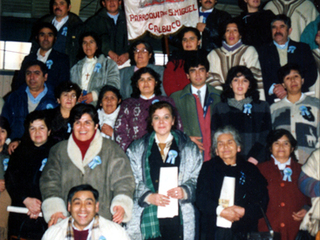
x=226, y=199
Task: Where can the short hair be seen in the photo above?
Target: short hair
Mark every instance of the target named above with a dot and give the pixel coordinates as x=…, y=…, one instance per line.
x=42, y=25
x=282, y=17
x=36, y=115
x=80, y=188
x=134, y=46
x=243, y=5
x=96, y=38
x=42, y=66
x=67, y=87
x=136, y=76
x=233, y=21
x=198, y=59
x=52, y=2
x=79, y=109
x=226, y=130
x=286, y=69
x=246, y=72
x=159, y=105
x=189, y=29
x=4, y=124
x=105, y=89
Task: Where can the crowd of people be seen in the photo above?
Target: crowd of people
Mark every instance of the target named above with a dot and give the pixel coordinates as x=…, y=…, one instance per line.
x=198, y=149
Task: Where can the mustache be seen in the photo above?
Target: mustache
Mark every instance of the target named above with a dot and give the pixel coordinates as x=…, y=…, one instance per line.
x=278, y=34
x=208, y=1
x=57, y=9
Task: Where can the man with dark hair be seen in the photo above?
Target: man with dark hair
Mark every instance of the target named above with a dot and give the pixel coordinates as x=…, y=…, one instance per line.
x=195, y=103
x=280, y=52
x=84, y=222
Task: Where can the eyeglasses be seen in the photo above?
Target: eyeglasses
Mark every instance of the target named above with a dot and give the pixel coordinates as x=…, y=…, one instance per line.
x=142, y=50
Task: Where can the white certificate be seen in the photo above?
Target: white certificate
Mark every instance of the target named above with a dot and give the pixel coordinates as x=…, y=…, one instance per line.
x=168, y=179
x=22, y=210
x=226, y=199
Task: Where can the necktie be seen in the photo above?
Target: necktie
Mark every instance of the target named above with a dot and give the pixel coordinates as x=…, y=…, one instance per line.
x=162, y=147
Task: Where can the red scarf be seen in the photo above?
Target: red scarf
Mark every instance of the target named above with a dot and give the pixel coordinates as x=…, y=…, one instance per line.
x=83, y=145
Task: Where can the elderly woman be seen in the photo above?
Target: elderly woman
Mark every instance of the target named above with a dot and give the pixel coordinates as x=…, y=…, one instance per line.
x=163, y=148
x=108, y=109
x=230, y=190
x=141, y=55
x=285, y=209
x=88, y=158
x=233, y=53
x=241, y=108
x=94, y=70
x=131, y=123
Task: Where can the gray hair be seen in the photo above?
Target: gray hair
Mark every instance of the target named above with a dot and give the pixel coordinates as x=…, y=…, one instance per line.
x=226, y=130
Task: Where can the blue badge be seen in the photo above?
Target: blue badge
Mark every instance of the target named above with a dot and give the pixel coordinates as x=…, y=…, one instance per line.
x=247, y=108
x=155, y=101
x=172, y=154
x=102, y=238
x=49, y=64
x=5, y=164
x=95, y=162
x=287, y=172
x=43, y=163
x=49, y=106
x=291, y=49
x=69, y=128
x=304, y=111
x=97, y=67
x=64, y=31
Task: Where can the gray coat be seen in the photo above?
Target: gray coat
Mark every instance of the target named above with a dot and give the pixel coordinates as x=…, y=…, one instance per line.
x=190, y=165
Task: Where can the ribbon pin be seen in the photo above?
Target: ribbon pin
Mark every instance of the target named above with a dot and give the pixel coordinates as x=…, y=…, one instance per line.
x=97, y=68
x=49, y=64
x=64, y=31
x=172, y=154
x=304, y=111
x=155, y=101
x=291, y=49
x=49, y=106
x=5, y=164
x=287, y=174
x=102, y=238
x=43, y=163
x=95, y=162
x=247, y=108
x=69, y=128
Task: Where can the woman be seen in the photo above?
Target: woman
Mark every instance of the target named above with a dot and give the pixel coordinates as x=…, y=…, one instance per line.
x=94, y=70
x=150, y=154
x=108, y=109
x=316, y=56
x=22, y=177
x=131, y=122
x=141, y=55
x=88, y=158
x=230, y=191
x=233, y=53
x=241, y=108
x=286, y=205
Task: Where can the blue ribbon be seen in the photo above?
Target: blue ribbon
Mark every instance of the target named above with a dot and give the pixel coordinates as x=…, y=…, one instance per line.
x=172, y=154
x=242, y=179
x=247, y=108
x=95, y=162
x=5, y=164
x=155, y=101
x=304, y=111
x=291, y=49
x=64, y=31
x=102, y=238
x=97, y=67
x=49, y=64
x=287, y=174
x=43, y=163
x=69, y=128
x=49, y=106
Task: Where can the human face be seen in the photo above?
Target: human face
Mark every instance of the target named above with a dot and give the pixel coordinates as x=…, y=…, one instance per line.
x=253, y=5
x=281, y=149
x=141, y=55
x=240, y=86
x=207, y=4
x=60, y=9
x=232, y=34
x=35, y=78
x=39, y=132
x=162, y=121
x=67, y=100
x=109, y=102
x=293, y=82
x=190, y=42
x=3, y=137
x=112, y=6
x=197, y=76
x=227, y=148
x=84, y=128
x=89, y=46
x=46, y=39
x=146, y=84
x=280, y=32
x=83, y=208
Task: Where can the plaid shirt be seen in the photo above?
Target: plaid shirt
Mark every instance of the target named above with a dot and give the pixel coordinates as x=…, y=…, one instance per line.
x=95, y=227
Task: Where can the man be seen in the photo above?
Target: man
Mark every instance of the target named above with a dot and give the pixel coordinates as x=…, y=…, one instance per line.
x=110, y=24
x=301, y=13
x=195, y=103
x=57, y=63
x=84, y=222
x=211, y=22
x=309, y=33
x=281, y=51
x=35, y=95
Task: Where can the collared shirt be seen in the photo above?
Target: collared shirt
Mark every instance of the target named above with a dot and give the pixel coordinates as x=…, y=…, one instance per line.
x=203, y=91
x=280, y=165
x=206, y=11
x=34, y=101
x=283, y=46
x=57, y=24
x=89, y=227
x=114, y=17
x=45, y=57
x=145, y=98
x=301, y=97
x=168, y=142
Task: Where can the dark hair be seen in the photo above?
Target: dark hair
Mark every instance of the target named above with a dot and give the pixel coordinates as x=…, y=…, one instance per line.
x=42, y=25
x=244, y=6
x=36, y=115
x=286, y=69
x=42, y=66
x=276, y=134
x=4, y=124
x=189, y=29
x=96, y=38
x=232, y=21
x=136, y=76
x=159, y=105
x=67, y=87
x=134, y=46
x=282, y=17
x=105, y=89
x=52, y=2
x=83, y=187
x=234, y=72
x=195, y=61
x=79, y=109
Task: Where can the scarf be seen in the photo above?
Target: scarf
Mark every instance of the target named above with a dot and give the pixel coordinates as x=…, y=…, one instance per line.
x=95, y=228
x=232, y=102
x=83, y=145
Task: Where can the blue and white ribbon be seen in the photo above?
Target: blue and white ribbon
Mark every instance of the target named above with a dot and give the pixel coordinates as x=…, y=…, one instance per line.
x=102, y=238
x=155, y=101
x=247, y=108
x=49, y=106
x=291, y=49
x=287, y=172
x=69, y=128
x=43, y=163
x=97, y=67
x=304, y=111
x=172, y=154
x=5, y=164
x=49, y=64
x=95, y=162
x=64, y=31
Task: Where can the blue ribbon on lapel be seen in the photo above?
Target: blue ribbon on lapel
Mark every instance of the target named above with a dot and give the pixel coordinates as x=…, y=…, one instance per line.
x=304, y=111
x=49, y=64
x=247, y=108
x=97, y=67
x=5, y=164
x=64, y=31
x=287, y=172
x=43, y=163
x=95, y=162
x=291, y=49
x=172, y=154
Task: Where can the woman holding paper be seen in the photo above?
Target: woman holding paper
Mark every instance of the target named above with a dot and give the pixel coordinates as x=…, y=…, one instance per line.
x=163, y=149
x=229, y=190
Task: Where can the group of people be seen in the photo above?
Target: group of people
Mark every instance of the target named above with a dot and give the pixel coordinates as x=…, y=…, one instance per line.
x=197, y=149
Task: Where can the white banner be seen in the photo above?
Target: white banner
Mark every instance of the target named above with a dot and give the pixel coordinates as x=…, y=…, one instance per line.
x=159, y=16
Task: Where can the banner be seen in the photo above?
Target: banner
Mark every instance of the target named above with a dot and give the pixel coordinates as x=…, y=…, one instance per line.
x=159, y=16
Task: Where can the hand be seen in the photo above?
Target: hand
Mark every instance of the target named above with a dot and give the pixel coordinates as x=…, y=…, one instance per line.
x=201, y=26
x=55, y=217
x=253, y=160
x=158, y=199
x=279, y=91
x=233, y=213
x=34, y=207
x=176, y=193
x=107, y=130
x=87, y=98
x=118, y=214
x=113, y=56
x=298, y=216
x=122, y=59
x=2, y=185
x=197, y=140
x=12, y=146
